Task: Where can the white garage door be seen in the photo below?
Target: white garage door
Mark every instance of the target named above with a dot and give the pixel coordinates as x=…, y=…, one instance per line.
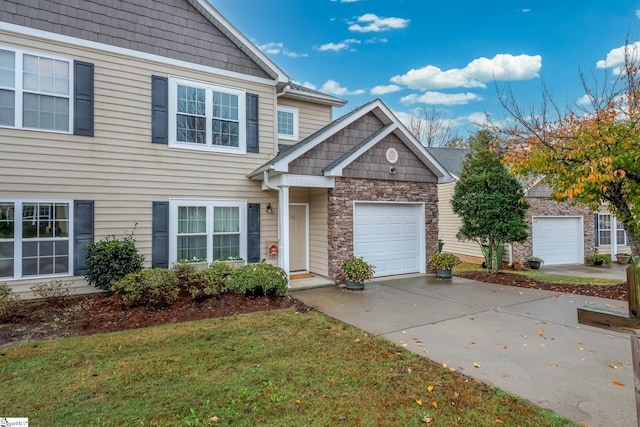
x=390, y=236
x=558, y=240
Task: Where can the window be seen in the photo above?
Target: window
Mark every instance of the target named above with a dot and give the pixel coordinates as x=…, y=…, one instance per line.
x=206, y=117
x=209, y=230
x=288, y=123
x=604, y=231
x=35, y=238
x=35, y=91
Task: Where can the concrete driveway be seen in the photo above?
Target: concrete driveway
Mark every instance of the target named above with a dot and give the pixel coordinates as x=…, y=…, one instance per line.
x=525, y=341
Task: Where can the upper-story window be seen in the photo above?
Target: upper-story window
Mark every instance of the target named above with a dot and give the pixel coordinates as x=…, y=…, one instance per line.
x=288, y=123
x=206, y=117
x=35, y=91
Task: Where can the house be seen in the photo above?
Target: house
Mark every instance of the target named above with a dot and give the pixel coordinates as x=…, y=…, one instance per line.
x=160, y=118
x=558, y=233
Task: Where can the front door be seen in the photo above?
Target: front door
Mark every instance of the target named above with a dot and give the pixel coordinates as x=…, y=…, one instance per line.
x=298, y=237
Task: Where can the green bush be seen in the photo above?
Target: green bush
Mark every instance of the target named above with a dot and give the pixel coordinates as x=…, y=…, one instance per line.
x=183, y=270
x=110, y=259
x=9, y=302
x=212, y=281
x=56, y=293
x=157, y=287
x=259, y=279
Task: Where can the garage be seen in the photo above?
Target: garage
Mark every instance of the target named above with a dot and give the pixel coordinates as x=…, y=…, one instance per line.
x=558, y=240
x=390, y=236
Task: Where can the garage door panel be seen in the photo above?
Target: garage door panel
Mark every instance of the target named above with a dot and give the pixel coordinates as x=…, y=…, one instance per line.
x=389, y=237
x=558, y=240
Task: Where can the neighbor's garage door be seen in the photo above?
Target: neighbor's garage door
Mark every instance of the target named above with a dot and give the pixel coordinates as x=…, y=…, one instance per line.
x=390, y=236
x=558, y=240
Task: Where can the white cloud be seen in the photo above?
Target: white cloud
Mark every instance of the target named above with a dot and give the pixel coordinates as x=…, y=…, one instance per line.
x=439, y=98
x=383, y=90
x=370, y=22
x=476, y=118
x=525, y=10
x=306, y=84
x=638, y=13
x=584, y=100
x=273, y=48
x=337, y=47
x=373, y=40
x=615, y=57
x=476, y=74
x=332, y=87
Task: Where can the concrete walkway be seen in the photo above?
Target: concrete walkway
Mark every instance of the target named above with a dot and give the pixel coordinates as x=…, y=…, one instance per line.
x=525, y=341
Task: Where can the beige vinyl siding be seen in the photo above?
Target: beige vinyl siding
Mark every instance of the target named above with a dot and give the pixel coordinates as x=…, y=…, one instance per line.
x=319, y=232
x=449, y=224
x=317, y=200
x=311, y=117
x=119, y=168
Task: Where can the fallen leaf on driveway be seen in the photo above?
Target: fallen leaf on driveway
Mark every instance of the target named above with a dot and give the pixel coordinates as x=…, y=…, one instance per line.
x=613, y=366
x=619, y=384
x=476, y=365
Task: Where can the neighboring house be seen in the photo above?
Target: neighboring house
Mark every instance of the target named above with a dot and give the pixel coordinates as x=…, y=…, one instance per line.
x=559, y=233
x=159, y=116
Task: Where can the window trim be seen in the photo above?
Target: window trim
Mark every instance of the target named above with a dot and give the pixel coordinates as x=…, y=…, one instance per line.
x=18, y=239
x=610, y=230
x=174, y=204
x=174, y=82
x=18, y=89
x=296, y=121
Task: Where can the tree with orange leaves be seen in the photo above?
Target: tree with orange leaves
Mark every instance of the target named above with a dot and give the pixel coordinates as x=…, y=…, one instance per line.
x=590, y=156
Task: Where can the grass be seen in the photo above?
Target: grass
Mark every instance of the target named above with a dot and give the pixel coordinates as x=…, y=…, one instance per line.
x=541, y=276
x=272, y=368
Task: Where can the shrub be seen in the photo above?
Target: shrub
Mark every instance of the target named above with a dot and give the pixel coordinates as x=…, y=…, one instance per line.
x=444, y=261
x=56, y=293
x=110, y=259
x=9, y=302
x=597, y=258
x=212, y=281
x=357, y=269
x=157, y=287
x=183, y=270
x=259, y=279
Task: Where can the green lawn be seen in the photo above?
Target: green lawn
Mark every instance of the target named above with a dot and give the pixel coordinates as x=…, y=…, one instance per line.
x=277, y=368
x=542, y=276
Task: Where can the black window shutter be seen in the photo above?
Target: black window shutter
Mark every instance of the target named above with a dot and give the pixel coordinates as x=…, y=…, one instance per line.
x=83, y=234
x=160, y=235
x=83, y=98
x=159, y=110
x=596, y=234
x=253, y=232
x=252, y=124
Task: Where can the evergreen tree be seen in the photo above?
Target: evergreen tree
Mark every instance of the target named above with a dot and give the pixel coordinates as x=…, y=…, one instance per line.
x=489, y=200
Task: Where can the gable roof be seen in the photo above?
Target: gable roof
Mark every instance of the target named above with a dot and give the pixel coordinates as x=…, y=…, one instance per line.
x=451, y=158
x=243, y=43
x=296, y=91
x=280, y=163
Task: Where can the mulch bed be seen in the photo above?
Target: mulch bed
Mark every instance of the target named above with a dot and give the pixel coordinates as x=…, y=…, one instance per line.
x=102, y=313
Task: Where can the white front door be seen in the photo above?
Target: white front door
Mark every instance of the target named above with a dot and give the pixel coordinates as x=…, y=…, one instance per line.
x=298, y=241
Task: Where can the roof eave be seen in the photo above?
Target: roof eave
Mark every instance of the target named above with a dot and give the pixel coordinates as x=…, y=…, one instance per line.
x=315, y=98
x=217, y=19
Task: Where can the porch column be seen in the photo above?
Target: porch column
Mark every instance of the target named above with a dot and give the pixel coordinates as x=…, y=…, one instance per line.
x=283, y=226
x=614, y=237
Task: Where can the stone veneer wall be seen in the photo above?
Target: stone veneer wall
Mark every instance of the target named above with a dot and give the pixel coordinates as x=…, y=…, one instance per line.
x=546, y=207
x=341, y=212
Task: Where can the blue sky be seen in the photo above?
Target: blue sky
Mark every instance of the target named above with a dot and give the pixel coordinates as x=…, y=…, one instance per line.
x=417, y=53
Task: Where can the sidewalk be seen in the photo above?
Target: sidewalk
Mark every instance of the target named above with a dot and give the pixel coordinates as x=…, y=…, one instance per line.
x=525, y=341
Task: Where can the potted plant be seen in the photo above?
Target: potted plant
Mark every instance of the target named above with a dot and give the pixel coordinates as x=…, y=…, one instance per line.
x=356, y=270
x=596, y=258
x=534, y=262
x=623, y=258
x=443, y=263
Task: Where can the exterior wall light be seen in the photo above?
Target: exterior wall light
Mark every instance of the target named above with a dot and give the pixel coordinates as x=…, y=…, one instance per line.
x=269, y=210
